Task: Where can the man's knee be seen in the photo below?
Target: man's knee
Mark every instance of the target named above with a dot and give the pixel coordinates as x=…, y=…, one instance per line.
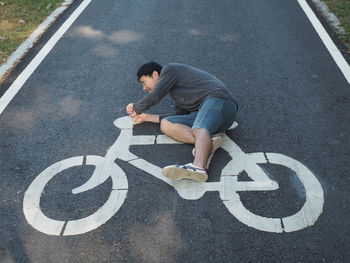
x=200, y=131
x=165, y=126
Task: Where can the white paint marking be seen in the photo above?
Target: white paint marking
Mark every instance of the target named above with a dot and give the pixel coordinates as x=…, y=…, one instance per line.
x=313, y=206
x=328, y=42
x=124, y=123
x=192, y=190
x=150, y=168
x=233, y=126
x=104, y=169
x=31, y=201
x=307, y=216
x=121, y=147
x=101, y=216
x=28, y=71
x=163, y=139
x=236, y=208
x=143, y=140
x=228, y=185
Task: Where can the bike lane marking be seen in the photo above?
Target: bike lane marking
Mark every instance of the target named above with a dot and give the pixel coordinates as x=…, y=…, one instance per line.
x=28, y=71
x=326, y=39
x=228, y=186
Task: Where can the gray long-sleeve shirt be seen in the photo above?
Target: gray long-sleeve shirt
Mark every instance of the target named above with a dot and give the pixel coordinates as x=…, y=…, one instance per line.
x=187, y=86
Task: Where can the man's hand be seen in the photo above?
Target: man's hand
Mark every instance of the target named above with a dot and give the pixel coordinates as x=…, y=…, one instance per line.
x=130, y=110
x=139, y=118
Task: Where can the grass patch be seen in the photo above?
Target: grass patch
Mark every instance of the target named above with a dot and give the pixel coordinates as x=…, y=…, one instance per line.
x=341, y=8
x=19, y=18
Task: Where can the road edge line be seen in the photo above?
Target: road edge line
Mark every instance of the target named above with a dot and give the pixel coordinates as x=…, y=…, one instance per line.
x=327, y=40
x=32, y=66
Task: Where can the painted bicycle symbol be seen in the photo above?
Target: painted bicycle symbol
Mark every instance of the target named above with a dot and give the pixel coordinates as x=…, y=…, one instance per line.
x=228, y=186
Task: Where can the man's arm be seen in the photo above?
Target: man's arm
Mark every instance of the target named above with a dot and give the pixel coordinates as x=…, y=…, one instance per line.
x=143, y=117
x=168, y=79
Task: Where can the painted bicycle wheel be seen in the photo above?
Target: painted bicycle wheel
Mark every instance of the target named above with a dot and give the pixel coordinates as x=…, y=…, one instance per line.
x=44, y=224
x=306, y=216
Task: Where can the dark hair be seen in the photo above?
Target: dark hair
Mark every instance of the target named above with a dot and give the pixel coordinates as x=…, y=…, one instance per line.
x=147, y=69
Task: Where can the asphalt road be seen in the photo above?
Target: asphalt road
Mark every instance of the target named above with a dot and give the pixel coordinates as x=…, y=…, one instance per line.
x=293, y=100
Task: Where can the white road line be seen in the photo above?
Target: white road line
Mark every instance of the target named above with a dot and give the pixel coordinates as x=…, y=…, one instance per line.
x=328, y=42
x=28, y=71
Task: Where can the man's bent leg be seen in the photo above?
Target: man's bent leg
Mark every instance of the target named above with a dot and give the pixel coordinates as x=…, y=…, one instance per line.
x=177, y=131
x=203, y=145
x=215, y=115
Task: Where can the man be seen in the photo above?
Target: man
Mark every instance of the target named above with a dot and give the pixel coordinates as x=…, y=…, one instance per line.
x=203, y=106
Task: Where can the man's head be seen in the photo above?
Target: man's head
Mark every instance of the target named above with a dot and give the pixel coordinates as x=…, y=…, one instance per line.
x=148, y=75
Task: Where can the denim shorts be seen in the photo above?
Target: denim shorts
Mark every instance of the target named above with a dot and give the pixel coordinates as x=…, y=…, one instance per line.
x=215, y=114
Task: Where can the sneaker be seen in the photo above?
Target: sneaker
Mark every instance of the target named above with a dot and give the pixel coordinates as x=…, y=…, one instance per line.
x=217, y=142
x=185, y=171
